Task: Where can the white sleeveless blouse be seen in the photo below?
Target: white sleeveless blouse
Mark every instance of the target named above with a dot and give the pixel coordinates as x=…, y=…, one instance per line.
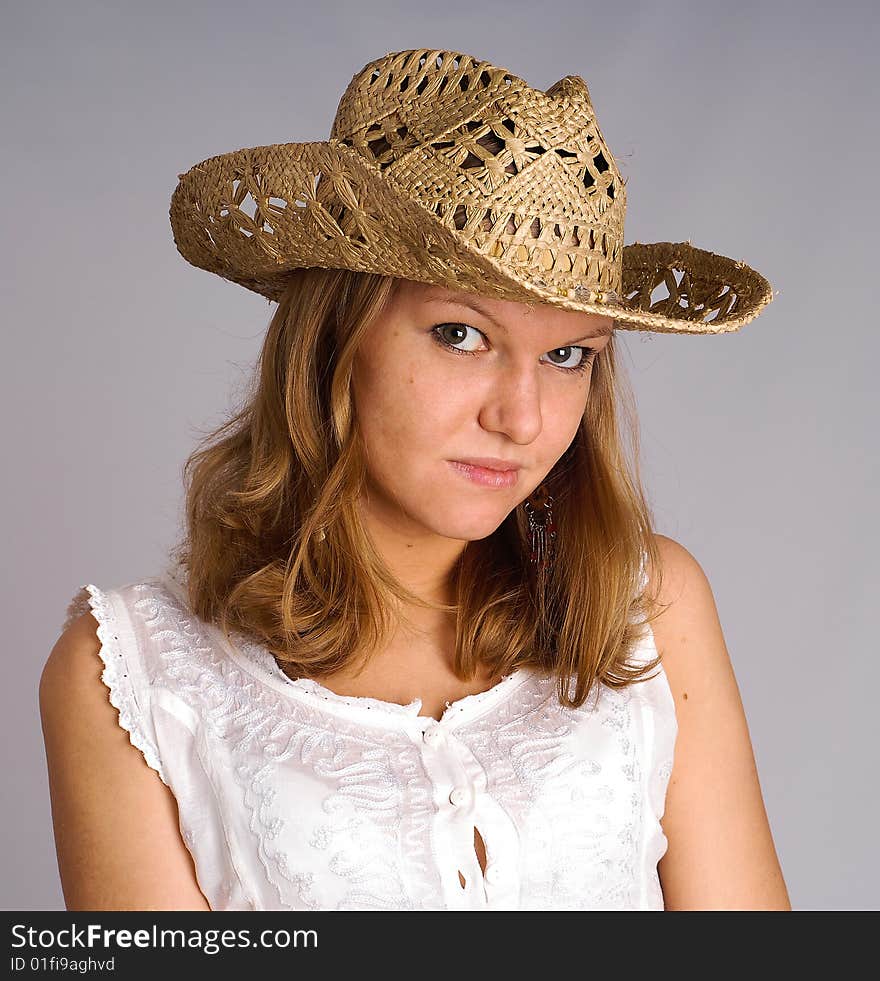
x=293, y=797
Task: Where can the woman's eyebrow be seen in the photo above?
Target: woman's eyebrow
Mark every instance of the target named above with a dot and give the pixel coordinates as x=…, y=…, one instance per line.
x=472, y=300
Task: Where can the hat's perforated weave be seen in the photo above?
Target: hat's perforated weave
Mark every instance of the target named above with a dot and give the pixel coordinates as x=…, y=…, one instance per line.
x=442, y=168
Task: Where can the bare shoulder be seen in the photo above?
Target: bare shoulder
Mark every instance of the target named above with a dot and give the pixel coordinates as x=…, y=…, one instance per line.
x=720, y=851
x=75, y=654
x=116, y=823
x=687, y=631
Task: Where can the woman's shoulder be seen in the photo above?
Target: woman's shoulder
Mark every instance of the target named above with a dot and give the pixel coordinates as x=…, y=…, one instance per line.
x=686, y=628
x=103, y=666
x=75, y=655
x=682, y=596
x=116, y=621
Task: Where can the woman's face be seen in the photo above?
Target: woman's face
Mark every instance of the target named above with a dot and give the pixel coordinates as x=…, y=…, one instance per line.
x=421, y=404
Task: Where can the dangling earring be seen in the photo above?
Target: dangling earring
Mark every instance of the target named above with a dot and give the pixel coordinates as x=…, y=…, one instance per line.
x=538, y=508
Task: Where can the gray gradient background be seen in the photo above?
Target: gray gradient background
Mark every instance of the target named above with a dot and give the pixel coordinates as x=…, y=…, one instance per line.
x=750, y=129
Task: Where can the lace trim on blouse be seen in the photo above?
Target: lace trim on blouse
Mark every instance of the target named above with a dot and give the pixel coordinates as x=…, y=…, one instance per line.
x=259, y=659
x=115, y=675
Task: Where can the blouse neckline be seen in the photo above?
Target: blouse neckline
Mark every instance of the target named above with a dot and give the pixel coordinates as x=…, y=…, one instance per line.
x=256, y=659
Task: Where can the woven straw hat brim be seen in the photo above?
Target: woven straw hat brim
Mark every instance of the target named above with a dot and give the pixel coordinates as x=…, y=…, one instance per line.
x=255, y=214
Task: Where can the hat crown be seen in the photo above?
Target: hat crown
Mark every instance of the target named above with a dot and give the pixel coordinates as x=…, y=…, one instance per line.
x=525, y=176
x=573, y=89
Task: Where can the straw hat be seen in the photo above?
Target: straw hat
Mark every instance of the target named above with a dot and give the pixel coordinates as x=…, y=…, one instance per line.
x=446, y=169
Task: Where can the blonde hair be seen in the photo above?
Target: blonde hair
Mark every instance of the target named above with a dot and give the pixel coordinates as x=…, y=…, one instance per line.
x=274, y=546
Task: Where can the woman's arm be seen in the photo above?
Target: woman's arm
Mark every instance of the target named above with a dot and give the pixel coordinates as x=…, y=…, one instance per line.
x=116, y=823
x=721, y=853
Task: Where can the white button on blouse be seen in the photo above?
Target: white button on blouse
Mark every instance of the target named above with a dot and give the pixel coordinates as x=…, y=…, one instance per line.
x=434, y=736
x=493, y=874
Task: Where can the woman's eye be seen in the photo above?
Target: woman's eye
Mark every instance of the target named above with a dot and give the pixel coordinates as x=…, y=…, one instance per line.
x=451, y=335
x=454, y=334
x=577, y=357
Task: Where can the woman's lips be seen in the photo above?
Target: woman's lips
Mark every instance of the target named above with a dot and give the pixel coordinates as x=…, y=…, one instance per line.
x=484, y=476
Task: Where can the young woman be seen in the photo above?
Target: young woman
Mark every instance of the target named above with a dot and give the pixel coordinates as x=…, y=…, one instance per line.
x=420, y=647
